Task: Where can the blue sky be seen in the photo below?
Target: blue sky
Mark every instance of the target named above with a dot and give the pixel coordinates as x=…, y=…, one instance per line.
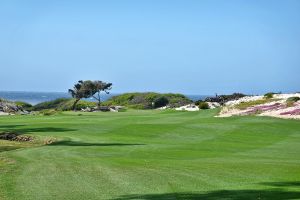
x=192, y=47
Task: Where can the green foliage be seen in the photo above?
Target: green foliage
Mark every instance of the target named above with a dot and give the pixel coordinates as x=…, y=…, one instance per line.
x=293, y=99
x=122, y=110
x=147, y=100
x=62, y=104
x=48, y=112
x=222, y=99
x=203, y=105
x=24, y=105
x=5, y=101
x=83, y=104
x=87, y=89
x=198, y=102
x=245, y=105
x=50, y=104
x=269, y=95
x=161, y=101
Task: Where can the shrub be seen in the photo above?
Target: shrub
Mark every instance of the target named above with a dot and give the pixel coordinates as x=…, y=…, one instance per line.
x=269, y=95
x=203, y=105
x=139, y=106
x=160, y=102
x=48, y=112
x=84, y=104
x=222, y=99
x=122, y=110
x=24, y=105
x=198, y=102
x=293, y=99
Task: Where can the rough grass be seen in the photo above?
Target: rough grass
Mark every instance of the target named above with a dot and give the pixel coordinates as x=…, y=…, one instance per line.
x=152, y=155
x=62, y=104
x=245, y=105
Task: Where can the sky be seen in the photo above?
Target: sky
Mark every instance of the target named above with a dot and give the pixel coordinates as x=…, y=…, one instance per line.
x=184, y=46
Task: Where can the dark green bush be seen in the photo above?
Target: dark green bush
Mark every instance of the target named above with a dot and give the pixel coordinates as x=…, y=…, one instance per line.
x=293, y=99
x=222, y=99
x=24, y=105
x=203, y=105
x=122, y=110
x=198, y=102
x=139, y=106
x=269, y=95
x=160, y=102
x=48, y=112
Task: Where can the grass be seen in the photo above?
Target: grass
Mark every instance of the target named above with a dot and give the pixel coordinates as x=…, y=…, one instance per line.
x=151, y=155
x=245, y=105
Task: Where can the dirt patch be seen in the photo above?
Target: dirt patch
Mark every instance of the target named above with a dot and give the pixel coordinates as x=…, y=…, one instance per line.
x=12, y=136
x=49, y=141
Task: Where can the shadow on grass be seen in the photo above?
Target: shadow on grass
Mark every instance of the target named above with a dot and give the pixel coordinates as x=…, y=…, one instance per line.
x=283, y=184
x=216, y=195
x=10, y=126
x=74, y=143
x=277, y=193
x=20, y=129
x=8, y=148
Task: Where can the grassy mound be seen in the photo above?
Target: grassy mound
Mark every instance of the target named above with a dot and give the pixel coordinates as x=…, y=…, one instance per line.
x=148, y=100
x=62, y=104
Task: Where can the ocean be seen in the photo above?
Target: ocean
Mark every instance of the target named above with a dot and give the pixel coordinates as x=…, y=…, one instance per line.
x=38, y=97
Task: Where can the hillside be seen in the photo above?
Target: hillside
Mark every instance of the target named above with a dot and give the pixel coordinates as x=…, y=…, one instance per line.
x=62, y=104
x=8, y=107
x=273, y=105
x=148, y=100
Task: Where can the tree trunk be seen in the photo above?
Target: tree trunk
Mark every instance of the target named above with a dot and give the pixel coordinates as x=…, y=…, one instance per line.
x=99, y=100
x=74, y=104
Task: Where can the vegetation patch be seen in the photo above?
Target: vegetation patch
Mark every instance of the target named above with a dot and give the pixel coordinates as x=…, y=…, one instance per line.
x=291, y=100
x=245, y=105
x=203, y=105
x=148, y=100
x=13, y=136
x=62, y=104
x=222, y=99
x=269, y=95
x=24, y=105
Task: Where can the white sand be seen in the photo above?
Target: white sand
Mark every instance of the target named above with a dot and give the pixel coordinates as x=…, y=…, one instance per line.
x=230, y=110
x=3, y=113
x=190, y=107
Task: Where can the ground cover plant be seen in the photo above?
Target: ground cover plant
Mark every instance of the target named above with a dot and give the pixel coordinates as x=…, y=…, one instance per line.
x=245, y=105
x=148, y=100
x=62, y=104
x=150, y=155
